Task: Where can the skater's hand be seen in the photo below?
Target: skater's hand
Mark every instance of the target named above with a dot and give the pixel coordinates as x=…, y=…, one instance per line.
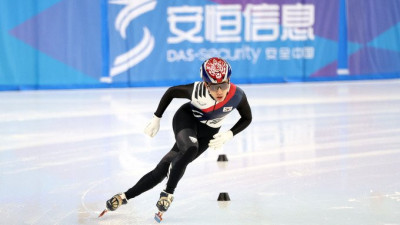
x=153, y=127
x=220, y=139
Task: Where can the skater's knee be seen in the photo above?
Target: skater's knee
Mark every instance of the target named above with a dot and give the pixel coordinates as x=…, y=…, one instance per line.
x=186, y=139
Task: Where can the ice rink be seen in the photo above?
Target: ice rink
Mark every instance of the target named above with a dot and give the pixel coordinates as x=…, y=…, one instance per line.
x=315, y=154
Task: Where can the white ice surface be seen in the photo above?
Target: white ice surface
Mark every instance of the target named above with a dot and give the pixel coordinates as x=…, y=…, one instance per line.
x=315, y=154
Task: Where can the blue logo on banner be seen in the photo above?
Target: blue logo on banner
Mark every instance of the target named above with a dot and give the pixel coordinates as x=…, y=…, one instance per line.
x=130, y=58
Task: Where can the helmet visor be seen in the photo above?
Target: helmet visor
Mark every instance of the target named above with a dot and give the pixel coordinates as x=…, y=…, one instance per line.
x=214, y=87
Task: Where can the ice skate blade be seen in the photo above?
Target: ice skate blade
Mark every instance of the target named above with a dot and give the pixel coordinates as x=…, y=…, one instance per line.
x=102, y=213
x=158, y=217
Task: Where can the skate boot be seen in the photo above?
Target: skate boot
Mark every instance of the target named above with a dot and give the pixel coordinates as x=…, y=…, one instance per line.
x=165, y=201
x=116, y=201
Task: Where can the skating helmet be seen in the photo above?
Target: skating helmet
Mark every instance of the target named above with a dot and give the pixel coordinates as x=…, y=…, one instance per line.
x=215, y=70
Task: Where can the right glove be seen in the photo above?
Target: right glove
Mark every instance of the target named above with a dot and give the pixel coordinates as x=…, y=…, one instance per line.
x=153, y=127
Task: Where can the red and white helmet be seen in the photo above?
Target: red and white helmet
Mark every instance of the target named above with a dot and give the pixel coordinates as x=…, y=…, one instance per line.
x=215, y=70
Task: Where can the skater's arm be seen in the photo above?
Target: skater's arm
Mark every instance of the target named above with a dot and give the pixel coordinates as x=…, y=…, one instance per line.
x=180, y=91
x=221, y=138
x=245, y=116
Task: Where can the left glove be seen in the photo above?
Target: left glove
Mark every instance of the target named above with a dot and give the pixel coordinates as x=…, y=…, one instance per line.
x=153, y=127
x=220, y=139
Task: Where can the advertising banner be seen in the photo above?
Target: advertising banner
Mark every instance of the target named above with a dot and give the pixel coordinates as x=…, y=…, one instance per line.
x=128, y=43
x=265, y=41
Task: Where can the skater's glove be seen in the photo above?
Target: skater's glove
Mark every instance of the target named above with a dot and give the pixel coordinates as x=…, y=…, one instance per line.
x=153, y=127
x=220, y=139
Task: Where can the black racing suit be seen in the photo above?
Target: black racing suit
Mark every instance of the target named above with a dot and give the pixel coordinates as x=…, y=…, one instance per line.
x=194, y=125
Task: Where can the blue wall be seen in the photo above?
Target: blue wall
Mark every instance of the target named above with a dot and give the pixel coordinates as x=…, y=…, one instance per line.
x=51, y=44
